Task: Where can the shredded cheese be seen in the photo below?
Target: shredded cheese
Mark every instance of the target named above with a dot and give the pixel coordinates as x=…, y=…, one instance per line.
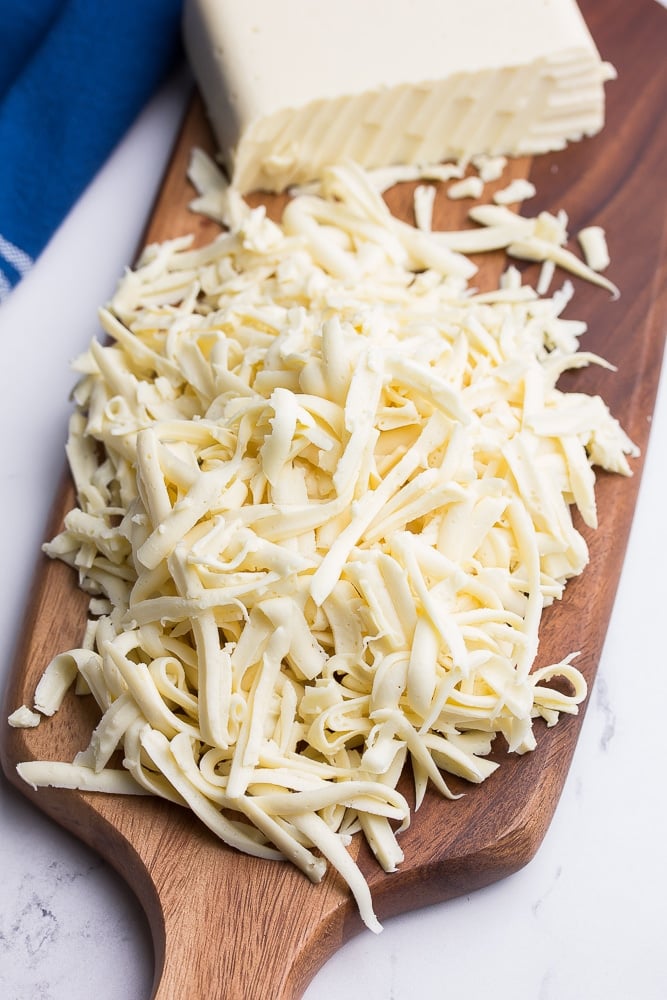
x=325, y=493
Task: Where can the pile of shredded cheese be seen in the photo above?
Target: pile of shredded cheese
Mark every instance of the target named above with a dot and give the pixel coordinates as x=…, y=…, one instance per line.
x=325, y=494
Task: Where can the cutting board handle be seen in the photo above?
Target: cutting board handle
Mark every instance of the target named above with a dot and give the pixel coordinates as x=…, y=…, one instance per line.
x=231, y=927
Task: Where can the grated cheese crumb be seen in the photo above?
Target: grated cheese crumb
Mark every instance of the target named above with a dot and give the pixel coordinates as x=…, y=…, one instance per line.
x=424, y=198
x=517, y=190
x=24, y=718
x=469, y=187
x=594, y=247
x=489, y=168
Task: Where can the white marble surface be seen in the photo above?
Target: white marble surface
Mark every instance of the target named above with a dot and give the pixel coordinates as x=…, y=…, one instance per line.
x=585, y=919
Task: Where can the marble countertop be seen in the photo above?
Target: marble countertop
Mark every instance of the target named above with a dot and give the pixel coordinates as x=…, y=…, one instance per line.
x=585, y=919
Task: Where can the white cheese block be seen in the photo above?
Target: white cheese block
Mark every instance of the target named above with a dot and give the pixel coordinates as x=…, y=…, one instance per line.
x=292, y=88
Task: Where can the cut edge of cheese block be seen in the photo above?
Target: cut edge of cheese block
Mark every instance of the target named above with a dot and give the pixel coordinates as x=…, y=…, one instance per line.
x=281, y=115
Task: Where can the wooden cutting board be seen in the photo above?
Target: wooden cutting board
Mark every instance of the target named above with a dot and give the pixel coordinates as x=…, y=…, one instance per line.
x=227, y=926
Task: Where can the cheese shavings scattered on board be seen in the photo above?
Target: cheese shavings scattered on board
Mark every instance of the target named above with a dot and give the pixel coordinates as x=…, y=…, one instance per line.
x=325, y=493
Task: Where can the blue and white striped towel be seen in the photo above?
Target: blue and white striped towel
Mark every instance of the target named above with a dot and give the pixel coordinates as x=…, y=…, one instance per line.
x=73, y=76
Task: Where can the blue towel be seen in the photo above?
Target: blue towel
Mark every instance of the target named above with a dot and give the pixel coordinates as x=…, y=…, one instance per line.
x=73, y=76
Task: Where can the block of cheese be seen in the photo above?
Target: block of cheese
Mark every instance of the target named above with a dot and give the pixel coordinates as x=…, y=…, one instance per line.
x=291, y=88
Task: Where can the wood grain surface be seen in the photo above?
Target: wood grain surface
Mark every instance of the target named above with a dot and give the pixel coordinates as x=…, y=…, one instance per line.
x=226, y=926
